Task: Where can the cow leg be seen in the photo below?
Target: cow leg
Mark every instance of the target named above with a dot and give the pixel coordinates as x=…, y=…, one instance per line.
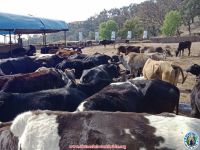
x=133, y=72
x=189, y=52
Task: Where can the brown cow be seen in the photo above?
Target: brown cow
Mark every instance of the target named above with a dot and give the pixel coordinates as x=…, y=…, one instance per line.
x=36, y=81
x=64, y=53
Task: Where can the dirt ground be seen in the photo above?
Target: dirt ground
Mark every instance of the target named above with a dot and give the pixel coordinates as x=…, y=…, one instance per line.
x=184, y=62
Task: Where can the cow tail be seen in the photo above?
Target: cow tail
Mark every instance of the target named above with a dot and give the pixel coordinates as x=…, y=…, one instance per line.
x=181, y=70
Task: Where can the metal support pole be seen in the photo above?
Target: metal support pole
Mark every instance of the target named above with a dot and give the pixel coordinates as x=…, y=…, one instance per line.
x=10, y=43
x=44, y=39
x=65, y=38
x=4, y=39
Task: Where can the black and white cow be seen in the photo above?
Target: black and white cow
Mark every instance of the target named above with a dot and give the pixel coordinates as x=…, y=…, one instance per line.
x=63, y=99
x=151, y=96
x=78, y=65
x=64, y=130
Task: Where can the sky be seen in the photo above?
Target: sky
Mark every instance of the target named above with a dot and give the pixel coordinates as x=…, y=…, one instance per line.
x=67, y=10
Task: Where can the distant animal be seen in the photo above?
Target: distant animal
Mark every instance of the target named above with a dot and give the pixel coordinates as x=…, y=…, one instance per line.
x=156, y=56
x=105, y=72
x=121, y=49
x=127, y=41
x=151, y=96
x=162, y=70
x=63, y=53
x=45, y=50
x=98, y=59
x=59, y=130
x=134, y=63
x=127, y=49
x=182, y=46
x=106, y=42
x=135, y=49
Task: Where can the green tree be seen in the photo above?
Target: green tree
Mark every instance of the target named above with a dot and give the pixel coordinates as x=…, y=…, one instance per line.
x=105, y=29
x=171, y=23
x=133, y=25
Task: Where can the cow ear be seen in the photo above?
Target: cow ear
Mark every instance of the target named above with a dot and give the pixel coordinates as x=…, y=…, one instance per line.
x=1, y=103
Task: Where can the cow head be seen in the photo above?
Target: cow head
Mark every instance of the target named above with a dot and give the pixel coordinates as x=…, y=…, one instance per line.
x=176, y=52
x=194, y=69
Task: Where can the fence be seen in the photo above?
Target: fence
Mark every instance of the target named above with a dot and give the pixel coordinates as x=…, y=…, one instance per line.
x=175, y=39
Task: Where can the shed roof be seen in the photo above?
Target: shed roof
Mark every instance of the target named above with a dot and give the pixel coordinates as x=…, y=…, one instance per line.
x=18, y=24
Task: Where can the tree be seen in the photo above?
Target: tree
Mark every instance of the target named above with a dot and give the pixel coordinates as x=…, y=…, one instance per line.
x=133, y=25
x=171, y=23
x=105, y=29
x=190, y=9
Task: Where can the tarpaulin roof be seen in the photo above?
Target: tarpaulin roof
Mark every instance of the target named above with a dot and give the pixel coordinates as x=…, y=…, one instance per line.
x=18, y=24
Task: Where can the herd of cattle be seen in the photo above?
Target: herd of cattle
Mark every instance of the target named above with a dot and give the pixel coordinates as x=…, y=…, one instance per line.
x=91, y=100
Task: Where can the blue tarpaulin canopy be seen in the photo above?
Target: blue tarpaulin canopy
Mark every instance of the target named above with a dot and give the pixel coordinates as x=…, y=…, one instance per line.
x=18, y=24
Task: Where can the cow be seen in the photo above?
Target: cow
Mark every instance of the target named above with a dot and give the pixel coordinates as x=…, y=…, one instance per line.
x=182, y=46
x=107, y=72
x=36, y=81
x=134, y=96
x=127, y=49
x=194, y=69
x=62, y=99
x=45, y=50
x=77, y=56
x=135, y=49
x=121, y=49
x=88, y=130
x=48, y=60
x=194, y=96
x=78, y=65
x=162, y=70
x=64, y=53
x=106, y=42
x=98, y=59
x=18, y=65
x=134, y=63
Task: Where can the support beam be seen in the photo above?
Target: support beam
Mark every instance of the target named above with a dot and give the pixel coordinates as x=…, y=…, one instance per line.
x=65, y=38
x=10, y=43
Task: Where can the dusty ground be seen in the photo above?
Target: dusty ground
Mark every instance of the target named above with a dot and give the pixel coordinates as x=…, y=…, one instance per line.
x=184, y=62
